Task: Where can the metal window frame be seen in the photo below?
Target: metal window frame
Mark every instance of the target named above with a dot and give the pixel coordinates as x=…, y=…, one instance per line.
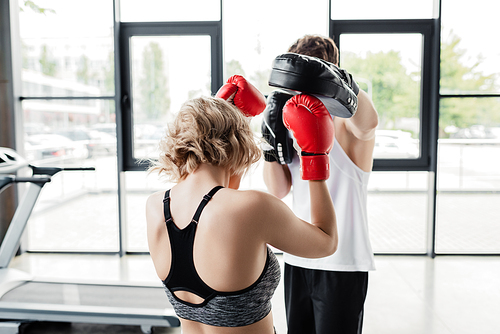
x=125, y=161
x=429, y=103
x=465, y=96
x=130, y=29
x=429, y=29
x=429, y=123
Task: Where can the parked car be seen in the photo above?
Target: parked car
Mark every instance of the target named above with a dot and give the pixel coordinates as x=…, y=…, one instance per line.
x=45, y=146
x=395, y=144
x=109, y=128
x=97, y=143
x=476, y=132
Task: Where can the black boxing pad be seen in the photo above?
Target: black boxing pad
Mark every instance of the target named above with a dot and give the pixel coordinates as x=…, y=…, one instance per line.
x=317, y=77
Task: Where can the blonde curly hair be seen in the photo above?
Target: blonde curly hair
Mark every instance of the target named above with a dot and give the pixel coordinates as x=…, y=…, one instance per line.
x=206, y=130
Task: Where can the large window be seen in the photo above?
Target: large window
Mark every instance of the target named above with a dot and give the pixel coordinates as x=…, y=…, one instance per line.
x=436, y=178
x=392, y=61
x=389, y=68
x=63, y=54
x=162, y=79
x=470, y=60
x=469, y=130
x=69, y=120
x=164, y=64
x=469, y=177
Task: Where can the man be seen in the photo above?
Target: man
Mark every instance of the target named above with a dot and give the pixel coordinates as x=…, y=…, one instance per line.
x=327, y=295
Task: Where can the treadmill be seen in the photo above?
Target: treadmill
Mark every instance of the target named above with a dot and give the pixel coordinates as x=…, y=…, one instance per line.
x=24, y=299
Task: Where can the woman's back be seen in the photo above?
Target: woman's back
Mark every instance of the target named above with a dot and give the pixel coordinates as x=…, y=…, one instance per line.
x=211, y=144
x=233, y=269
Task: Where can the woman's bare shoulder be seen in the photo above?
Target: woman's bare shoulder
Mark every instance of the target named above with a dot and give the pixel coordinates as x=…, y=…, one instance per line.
x=250, y=197
x=252, y=202
x=154, y=207
x=156, y=195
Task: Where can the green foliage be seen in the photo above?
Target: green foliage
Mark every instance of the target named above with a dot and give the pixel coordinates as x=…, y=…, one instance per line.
x=83, y=72
x=260, y=79
x=109, y=74
x=48, y=64
x=24, y=53
x=466, y=112
x=34, y=7
x=233, y=67
x=153, y=87
x=458, y=78
x=395, y=92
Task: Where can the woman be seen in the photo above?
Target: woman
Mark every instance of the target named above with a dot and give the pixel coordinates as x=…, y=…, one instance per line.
x=208, y=240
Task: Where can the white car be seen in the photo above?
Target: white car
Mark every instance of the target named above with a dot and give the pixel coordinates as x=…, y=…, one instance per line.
x=395, y=144
x=46, y=146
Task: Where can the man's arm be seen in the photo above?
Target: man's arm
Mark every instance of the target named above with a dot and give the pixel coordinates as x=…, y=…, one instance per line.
x=364, y=122
x=277, y=179
x=356, y=135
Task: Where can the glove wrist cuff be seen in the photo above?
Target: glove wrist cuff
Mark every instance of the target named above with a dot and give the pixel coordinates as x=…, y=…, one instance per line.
x=315, y=167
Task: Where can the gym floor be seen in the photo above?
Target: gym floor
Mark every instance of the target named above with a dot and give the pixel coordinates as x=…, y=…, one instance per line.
x=407, y=294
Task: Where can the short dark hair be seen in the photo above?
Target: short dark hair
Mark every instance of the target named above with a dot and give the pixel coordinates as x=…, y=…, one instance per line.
x=316, y=46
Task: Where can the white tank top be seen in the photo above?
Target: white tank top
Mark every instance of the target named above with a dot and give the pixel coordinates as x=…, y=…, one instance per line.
x=348, y=187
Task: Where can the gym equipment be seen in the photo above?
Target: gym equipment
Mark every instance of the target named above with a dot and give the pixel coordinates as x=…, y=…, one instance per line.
x=312, y=127
x=247, y=97
x=332, y=85
x=280, y=143
x=24, y=299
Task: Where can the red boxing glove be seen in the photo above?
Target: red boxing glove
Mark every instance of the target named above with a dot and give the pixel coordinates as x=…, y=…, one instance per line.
x=244, y=95
x=312, y=127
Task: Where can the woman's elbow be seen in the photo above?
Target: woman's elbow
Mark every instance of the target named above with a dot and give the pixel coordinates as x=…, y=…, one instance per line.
x=330, y=247
x=333, y=247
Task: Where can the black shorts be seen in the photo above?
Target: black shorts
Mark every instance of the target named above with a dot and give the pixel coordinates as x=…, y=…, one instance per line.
x=324, y=302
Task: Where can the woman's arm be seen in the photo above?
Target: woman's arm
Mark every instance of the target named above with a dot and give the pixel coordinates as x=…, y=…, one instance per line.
x=277, y=178
x=285, y=231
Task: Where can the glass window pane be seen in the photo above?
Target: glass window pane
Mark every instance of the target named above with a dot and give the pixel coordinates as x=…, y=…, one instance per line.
x=255, y=32
x=76, y=211
x=469, y=176
x=388, y=68
x=470, y=62
x=169, y=10
x=64, y=54
x=383, y=9
x=397, y=211
x=162, y=80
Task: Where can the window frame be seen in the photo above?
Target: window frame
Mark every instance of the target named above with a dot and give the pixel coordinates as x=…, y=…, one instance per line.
x=129, y=29
x=429, y=85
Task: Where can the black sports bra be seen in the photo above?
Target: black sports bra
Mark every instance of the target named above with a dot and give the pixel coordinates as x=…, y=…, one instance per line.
x=226, y=309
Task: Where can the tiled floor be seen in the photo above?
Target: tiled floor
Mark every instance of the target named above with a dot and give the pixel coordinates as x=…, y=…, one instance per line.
x=459, y=295
x=407, y=294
